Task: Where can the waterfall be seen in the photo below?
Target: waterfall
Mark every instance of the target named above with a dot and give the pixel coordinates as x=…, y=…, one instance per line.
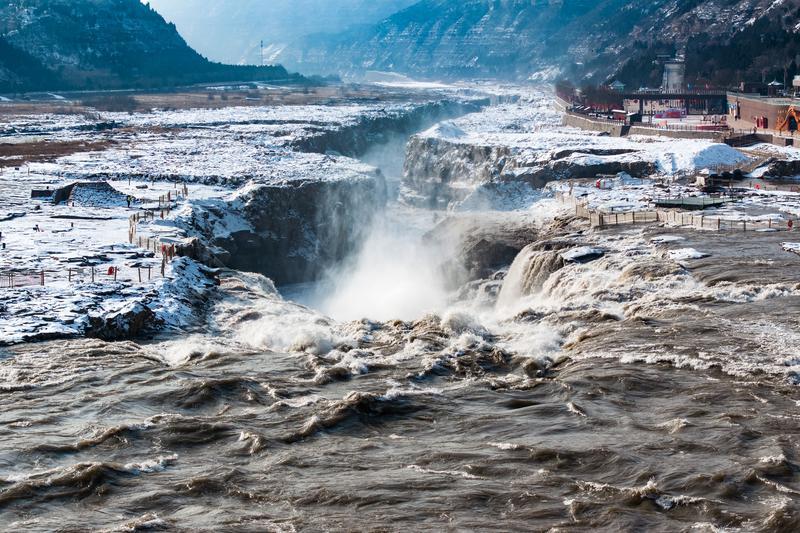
x=527, y=274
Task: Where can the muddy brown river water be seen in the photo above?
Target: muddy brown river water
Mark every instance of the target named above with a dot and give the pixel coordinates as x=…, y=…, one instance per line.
x=628, y=393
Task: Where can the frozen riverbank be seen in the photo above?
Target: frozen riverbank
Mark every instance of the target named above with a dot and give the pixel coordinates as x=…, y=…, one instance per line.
x=254, y=201
x=480, y=156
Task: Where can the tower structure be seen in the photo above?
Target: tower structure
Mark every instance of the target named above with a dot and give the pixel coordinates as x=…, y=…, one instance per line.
x=674, y=76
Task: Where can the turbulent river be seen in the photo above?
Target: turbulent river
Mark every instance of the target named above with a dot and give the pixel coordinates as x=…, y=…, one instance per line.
x=625, y=393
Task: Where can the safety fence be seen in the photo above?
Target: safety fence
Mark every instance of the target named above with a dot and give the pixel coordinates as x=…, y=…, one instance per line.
x=10, y=280
x=165, y=205
x=165, y=200
x=699, y=128
x=42, y=278
x=600, y=219
x=138, y=274
x=145, y=215
x=677, y=218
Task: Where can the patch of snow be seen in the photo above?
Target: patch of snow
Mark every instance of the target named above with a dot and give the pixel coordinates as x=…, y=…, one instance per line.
x=446, y=130
x=793, y=247
x=663, y=239
x=684, y=254
x=582, y=254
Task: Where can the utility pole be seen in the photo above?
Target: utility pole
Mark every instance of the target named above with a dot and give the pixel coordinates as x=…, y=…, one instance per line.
x=262, y=52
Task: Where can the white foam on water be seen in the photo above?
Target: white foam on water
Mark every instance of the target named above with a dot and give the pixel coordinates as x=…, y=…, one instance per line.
x=454, y=473
x=506, y=446
x=151, y=465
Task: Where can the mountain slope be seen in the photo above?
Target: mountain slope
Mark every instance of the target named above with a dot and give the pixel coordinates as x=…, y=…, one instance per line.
x=101, y=44
x=19, y=69
x=230, y=30
x=592, y=40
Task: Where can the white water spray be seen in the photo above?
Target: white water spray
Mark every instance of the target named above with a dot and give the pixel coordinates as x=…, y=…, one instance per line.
x=395, y=276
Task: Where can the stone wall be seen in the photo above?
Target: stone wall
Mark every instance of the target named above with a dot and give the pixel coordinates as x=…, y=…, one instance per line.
x=585, y=123
x=620, y=130
x=716, y=136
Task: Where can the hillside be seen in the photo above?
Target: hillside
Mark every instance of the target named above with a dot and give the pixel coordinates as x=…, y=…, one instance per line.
x=93, y=44
x=725, y=40
x=231, y=30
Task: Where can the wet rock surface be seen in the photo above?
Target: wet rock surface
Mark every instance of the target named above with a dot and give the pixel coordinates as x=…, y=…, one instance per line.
x=482, y=243
x=289, y=232
x=128, y=323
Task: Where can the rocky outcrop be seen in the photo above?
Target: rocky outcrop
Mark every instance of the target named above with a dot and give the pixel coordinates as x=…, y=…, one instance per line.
x=480, y=244
x=780, y=168
x=356, y=139
x=290, y=232
x=128, y=323
x=440, y=171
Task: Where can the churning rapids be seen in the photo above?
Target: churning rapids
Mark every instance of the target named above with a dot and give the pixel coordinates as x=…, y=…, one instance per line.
x=583, y=392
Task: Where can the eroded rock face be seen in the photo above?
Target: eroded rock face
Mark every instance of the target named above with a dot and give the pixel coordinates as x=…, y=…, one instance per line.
x=356, y=139
x=434, y=168
x=290, y=232
x=128, y=323
x=440, y=171
x=481, y=243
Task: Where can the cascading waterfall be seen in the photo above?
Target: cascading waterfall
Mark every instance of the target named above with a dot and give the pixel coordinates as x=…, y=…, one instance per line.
x=528, y=273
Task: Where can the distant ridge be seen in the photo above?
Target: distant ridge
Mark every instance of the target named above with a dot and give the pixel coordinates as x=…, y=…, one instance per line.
x=725, y=41
x=231, y=30
x=102, y=44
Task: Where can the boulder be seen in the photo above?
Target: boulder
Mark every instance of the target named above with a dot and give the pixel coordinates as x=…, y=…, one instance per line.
x=129, y=323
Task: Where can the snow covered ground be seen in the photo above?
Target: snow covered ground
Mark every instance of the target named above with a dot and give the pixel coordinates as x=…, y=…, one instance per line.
x=81, y=247
x=82, y=254
x=532, y=129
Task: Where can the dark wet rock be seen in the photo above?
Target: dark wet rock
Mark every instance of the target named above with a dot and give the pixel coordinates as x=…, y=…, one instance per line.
x=129, y=323
x=290, y=232
x=650, y=270
x=583, y=254
x=780, y=168
x=482, y=243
